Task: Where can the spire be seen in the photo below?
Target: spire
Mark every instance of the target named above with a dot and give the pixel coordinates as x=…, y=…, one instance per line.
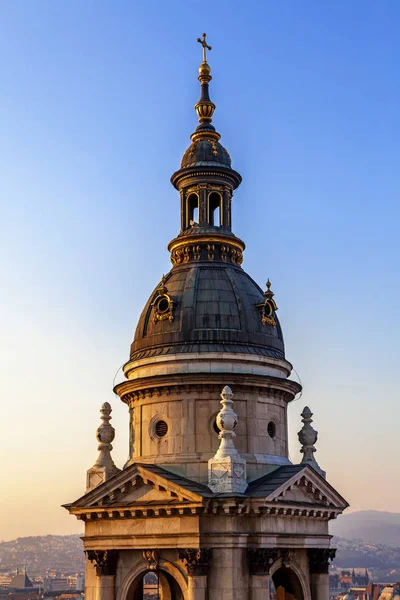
x=204, y=107
x=307, y=437
x=227, y=470
x=104, y=467
x=206, y=182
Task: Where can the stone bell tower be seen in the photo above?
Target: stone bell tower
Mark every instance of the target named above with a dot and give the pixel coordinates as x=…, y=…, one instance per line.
x=208, y=500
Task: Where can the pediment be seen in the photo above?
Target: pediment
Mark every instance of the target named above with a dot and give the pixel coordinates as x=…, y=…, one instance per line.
x=309, y=488
x=137, y=485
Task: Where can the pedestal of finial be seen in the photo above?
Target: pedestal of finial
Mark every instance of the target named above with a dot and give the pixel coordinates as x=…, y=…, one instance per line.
x=227, y=474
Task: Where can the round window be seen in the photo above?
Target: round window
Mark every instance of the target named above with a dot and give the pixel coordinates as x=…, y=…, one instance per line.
x=267, y=309
x=163, y=305
x=215, y=426
x=161, y=428
x=271, y=429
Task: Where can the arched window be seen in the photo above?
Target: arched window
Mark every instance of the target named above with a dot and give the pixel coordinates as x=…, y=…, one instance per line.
x=193, y=209
x=214, y=209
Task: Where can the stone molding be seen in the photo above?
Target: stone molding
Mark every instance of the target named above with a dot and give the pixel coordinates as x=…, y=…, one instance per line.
x=124, y=591
x=319, y=559
x=137, y=390
x=105, y=561
x=260, y=560
x=197, y=560
x=243, y=506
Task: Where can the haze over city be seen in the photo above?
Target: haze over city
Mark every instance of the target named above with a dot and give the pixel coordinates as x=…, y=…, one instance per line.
x=97, y=105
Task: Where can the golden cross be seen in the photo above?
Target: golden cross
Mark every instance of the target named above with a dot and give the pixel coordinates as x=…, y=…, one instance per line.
x=206, y=47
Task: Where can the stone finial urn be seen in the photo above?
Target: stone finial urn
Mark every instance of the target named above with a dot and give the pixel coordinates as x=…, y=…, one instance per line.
x=307, y=438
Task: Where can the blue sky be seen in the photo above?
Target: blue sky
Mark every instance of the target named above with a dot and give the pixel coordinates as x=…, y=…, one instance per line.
x=96, y=108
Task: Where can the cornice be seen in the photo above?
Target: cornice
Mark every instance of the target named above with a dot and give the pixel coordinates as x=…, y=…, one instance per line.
x=276, y=388
x=218, y=506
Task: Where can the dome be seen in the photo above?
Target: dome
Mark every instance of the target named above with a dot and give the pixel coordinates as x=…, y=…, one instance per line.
x=206, y=307
x=206, y=152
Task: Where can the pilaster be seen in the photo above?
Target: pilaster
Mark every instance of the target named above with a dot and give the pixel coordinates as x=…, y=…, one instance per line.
x=259, y=563
x=105, y=563
x=319, y=572
x=197, y=563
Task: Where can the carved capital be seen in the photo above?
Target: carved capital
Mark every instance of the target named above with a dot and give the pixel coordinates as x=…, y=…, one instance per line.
x=319, y=559
x=151, y=556
x=261, y=559
x=197, y=560
x=105, y=561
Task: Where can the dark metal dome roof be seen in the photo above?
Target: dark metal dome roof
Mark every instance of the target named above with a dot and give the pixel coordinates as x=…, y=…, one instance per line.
x=206, y=152
x=214, y=309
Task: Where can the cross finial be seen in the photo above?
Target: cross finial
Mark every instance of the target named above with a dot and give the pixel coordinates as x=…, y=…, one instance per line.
x=206, y=47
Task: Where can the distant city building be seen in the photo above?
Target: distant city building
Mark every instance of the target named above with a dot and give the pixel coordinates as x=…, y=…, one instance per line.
x=60, y=584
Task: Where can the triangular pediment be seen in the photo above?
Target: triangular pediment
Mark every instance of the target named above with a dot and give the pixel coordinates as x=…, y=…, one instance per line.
x=140, y=485
x=307, y=487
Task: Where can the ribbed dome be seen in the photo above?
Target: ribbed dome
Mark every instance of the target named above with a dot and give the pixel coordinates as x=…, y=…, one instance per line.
x=214, y=309
x=206, y=152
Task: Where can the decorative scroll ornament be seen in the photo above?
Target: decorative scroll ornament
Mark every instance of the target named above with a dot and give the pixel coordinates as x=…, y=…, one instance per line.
x=319, y=559
x=287, y=557
x=260, y=560
x=152, y=559
x=104, y=467
x=227, y=469
x=163, y=305
x=209, y=251
x=105, y=561
x=197, y=560
x=268, y=307
x=307, y=437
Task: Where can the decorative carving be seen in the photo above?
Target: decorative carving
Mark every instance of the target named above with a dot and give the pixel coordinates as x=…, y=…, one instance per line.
x=224, y=252
x=197, y=560
x=185, y=254
x=210, y=251
x=163, y=305
x=261, y=559
x=105, y=561
x=287, y=557
x=177, y=256
x=307, y=437
x=197, y=252
x=268, y=307
x=152, y=558
x=319, y=559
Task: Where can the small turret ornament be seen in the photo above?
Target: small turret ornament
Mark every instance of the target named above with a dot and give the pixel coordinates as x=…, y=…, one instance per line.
x=268, y=307
x=104, y=467
x=307, y=438
x=163, y=304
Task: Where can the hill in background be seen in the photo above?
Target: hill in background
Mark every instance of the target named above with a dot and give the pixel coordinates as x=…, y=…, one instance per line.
x=370, y=526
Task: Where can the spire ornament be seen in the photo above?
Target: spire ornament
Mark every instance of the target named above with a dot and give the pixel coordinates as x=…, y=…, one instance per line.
x=308, y=437
x=227, y=469
x=104, y=467
x=205, y=107
x=206, y=47
x=268, y=307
